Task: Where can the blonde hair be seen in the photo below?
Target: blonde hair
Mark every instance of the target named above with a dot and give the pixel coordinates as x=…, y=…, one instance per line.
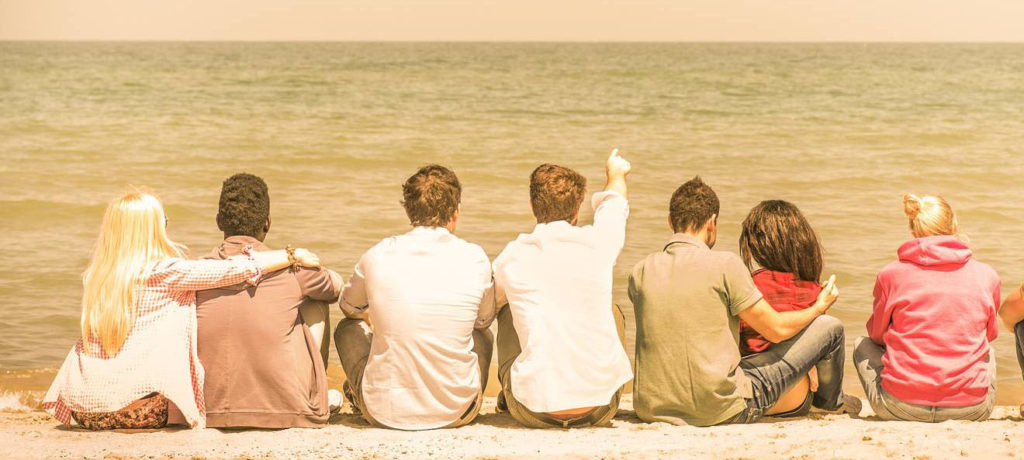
x=133, y=236
x=930, y=216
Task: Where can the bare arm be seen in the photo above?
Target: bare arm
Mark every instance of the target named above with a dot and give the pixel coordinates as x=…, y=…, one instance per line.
x=196, y=275
x=1012, y=310
x=780, y=326
x=354, y=301
x=272, y=261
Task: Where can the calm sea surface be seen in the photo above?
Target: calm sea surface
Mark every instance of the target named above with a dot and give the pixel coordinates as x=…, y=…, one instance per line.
x=842, y=130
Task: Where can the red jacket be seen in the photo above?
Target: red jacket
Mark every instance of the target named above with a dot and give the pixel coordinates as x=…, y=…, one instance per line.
x=784, y=293
x=935, y=313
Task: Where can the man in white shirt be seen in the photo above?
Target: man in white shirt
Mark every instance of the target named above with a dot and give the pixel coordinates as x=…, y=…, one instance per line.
x=561, y=361
x=429, y=297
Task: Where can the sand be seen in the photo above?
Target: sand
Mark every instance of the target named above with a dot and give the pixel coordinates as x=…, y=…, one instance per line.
x=33, y=434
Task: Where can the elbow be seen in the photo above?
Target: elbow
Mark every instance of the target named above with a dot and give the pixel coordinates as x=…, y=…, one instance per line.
x=775, y=336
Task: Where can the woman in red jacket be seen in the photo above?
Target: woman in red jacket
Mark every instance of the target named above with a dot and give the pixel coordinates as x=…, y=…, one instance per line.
x=928, y=357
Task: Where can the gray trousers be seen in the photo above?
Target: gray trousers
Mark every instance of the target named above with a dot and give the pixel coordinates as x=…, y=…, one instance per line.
x=867, y=357
x=353, y=338
x=509, y=350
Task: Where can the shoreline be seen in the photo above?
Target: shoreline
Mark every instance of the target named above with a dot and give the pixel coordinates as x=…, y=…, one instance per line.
x=34, y=434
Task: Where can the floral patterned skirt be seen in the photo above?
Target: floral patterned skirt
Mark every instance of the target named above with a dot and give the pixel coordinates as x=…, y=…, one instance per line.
x=148, y=412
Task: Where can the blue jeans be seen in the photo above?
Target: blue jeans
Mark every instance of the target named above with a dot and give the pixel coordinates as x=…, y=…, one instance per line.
x=776, y=370
x=1018, y=335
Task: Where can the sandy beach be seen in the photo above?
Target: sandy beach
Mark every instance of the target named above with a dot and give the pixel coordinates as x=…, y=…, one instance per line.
x=33, y=434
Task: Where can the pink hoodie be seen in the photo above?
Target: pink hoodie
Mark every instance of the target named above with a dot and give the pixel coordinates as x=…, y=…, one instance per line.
x=935, y=312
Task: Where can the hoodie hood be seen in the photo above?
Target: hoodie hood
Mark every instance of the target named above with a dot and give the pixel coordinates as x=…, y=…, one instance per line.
x=935, y=250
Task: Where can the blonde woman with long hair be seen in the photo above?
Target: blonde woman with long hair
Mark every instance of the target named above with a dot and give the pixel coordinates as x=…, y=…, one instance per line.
x=137, y=352
x=928, y=357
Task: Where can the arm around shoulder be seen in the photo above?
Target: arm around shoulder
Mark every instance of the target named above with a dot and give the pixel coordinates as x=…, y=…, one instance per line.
x=781, y=326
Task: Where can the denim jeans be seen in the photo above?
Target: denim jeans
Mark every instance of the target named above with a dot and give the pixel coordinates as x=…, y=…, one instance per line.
x=867, y=357
x=1018, y=336
x=784, y=364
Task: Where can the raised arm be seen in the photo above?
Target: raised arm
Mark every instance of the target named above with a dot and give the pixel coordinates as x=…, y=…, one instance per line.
x=781, y=326
x=196, y=275
x=611, y=207
x=617, y=168
x=1012, y=310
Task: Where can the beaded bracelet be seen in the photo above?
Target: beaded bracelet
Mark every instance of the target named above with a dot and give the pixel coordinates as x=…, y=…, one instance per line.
x=292, y=262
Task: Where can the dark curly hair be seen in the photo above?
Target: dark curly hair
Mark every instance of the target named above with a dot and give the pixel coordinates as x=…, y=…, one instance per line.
x=692, y=204
x=431, y=196
x=244, y=205
x=556, y=193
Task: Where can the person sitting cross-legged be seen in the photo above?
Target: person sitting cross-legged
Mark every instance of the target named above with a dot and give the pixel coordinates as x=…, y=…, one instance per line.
x=429, y=297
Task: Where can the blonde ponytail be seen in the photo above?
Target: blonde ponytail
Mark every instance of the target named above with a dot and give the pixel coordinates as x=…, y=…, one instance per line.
x=930, y=216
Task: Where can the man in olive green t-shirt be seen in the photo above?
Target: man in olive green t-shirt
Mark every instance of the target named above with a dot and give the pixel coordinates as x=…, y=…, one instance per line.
x=688, y=301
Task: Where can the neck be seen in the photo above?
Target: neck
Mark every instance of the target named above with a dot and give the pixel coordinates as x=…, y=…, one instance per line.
x=702, y=234
x=259, y=238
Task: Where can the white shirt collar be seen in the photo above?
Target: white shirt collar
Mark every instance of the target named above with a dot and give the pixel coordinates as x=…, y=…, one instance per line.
x=429, y=231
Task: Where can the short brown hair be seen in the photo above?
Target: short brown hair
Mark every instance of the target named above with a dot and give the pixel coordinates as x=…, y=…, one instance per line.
x=556, y=193
x=778, y=237
x=692, y=204
x=431, y=196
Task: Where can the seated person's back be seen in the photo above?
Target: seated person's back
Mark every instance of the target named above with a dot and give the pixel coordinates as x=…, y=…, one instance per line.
x=561, y=359
x=421, y=361
x=689, y=300
x=929, y=354
x=263, y=365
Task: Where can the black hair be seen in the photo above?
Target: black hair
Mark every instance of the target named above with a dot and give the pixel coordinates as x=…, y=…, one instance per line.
x=244, y=205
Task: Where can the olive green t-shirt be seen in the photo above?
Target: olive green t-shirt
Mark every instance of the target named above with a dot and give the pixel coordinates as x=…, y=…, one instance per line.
x=687, y=299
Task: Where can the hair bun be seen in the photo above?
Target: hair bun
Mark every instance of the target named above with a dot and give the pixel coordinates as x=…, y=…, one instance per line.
x=911, y=205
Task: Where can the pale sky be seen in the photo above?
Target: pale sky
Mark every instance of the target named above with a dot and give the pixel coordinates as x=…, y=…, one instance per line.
x=515, y=20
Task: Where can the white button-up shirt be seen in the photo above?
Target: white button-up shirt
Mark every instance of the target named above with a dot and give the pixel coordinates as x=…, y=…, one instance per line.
x=558, y=283
x=425, y=292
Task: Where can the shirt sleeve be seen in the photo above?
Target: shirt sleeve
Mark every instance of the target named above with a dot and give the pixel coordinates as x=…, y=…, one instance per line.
x=353, y=295
x=317, y=284
x=486, y=313
x=197, y=275
x=611, y=210
x=633, y=290
x=740, y=292
x=881, y=313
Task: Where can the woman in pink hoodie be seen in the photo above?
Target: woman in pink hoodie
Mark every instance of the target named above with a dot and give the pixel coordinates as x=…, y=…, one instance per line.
x=928, y=356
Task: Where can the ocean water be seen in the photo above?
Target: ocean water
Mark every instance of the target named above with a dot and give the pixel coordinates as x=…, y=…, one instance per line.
x=842, y=130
